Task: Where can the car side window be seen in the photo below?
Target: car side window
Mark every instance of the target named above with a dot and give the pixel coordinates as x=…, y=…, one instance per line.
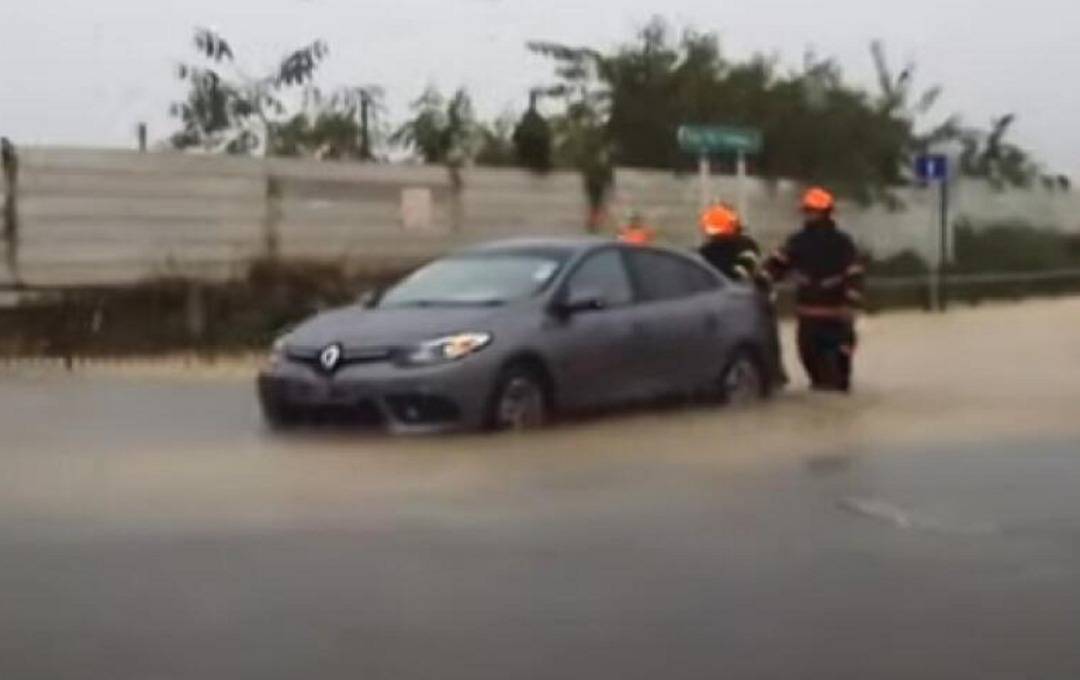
x=701, y=278
x=603, y=273
x=660, y=276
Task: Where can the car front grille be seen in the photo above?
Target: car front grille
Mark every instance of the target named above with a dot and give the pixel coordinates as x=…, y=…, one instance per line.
x=349, y=356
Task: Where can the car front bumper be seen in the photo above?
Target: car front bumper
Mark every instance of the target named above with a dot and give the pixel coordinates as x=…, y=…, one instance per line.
x=448, y=397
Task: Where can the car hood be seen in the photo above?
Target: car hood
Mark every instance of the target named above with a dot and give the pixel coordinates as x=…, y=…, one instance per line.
x=357, y=326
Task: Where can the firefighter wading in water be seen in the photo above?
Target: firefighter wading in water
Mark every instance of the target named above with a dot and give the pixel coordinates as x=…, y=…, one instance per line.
x=826, y=268
x=737, y=256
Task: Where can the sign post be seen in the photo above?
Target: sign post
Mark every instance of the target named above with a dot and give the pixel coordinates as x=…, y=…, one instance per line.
x=934, y=169
x=705, y=140
x=740, y=172
x=704, y=170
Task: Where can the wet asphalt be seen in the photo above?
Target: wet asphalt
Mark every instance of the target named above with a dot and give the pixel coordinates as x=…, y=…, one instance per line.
x=150, y=528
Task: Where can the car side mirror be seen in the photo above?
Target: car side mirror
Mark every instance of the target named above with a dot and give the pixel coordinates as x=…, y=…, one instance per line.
x=580, y=301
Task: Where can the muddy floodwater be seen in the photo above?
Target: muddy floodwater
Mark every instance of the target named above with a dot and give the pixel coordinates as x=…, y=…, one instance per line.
x=926, y=526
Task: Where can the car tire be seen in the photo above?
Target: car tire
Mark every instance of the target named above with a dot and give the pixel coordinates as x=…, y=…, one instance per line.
x=520, y=400
x=743, y=381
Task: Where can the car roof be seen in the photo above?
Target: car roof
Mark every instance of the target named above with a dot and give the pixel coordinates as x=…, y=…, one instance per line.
x=568, y=244
x=574, y=246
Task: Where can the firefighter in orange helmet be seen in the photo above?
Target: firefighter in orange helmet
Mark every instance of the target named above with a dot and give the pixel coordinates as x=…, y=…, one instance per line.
x=828, y=273
x=737, y=256
x=636, y=232
x=726, y=247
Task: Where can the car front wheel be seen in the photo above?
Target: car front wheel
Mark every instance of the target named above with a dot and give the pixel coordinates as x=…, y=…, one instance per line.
x=519, y=401
x=743, y=381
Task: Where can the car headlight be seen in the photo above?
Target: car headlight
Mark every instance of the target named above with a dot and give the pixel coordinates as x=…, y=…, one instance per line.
x=449, y=348
x=276, y=355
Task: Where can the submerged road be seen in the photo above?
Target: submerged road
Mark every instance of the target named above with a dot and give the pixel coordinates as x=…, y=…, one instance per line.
x=926, y=527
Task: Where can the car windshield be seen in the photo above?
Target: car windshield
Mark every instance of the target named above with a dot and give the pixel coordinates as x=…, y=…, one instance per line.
x=487, y=279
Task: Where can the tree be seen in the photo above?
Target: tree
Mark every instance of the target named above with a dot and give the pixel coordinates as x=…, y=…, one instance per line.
x=580, y=132
x=337, y=127
x=496, y=143
x=226, y=110
x=365, y=103
x=532, y=138
x=645, y=102
x=442, y=131
x=627, y=103
x=988, y=156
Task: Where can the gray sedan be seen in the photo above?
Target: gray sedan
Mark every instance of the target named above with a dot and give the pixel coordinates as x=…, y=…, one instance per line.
x=508, y=334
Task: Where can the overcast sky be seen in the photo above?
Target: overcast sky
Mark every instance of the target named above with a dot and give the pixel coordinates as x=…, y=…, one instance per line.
x=85, y=71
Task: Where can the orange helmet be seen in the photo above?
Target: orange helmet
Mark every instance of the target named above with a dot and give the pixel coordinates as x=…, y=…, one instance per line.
x=720, y=219
x=637, y=235
x=817, y=199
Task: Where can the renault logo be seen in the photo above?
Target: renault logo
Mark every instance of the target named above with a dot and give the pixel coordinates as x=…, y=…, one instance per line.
x=330, y=357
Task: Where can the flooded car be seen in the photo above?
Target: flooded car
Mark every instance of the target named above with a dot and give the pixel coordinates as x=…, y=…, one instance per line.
x=509, y=334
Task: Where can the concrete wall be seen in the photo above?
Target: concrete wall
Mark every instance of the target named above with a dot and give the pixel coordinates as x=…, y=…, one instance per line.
x=94, y=216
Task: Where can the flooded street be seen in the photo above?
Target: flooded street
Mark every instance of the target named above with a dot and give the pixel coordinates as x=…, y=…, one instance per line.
x=928, y=526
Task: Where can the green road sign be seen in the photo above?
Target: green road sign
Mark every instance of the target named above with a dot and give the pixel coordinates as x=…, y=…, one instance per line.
x=706, y=139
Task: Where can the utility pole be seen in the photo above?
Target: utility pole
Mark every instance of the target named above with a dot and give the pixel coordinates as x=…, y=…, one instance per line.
x=365, y=133
x=943, y=244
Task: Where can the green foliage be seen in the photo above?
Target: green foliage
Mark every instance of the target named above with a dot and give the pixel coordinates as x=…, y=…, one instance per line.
x=818, y=128
x=992, y=247
x=364, y=104
x=905, y=263
x=582, y=143
x=620, y=106
x=225, y=110
x=990, y=157
x=532, y=139
x=330, y=135
x=496, y=143
x=581, y=133
x=1012, y=247
x=331, y=128
x=441, y=131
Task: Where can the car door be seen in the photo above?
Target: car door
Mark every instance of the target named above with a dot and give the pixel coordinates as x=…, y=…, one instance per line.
x=595, y=353
x=682, y=316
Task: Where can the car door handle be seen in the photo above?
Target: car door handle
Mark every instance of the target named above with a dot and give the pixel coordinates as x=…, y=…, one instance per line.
x=712, y=323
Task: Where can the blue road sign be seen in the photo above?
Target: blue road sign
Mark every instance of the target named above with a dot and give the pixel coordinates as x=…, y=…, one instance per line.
x=932, y=167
